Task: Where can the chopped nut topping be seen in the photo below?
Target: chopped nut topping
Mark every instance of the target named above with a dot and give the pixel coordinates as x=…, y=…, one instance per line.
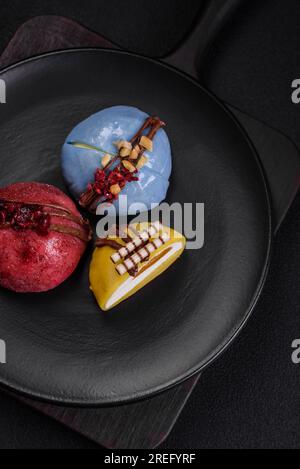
x=105, y=160
x=123, y=144
x=124, y=152
x=129, y=166
x=142, y=161
x=146, y=143
x=135, y=153
x=115, y=189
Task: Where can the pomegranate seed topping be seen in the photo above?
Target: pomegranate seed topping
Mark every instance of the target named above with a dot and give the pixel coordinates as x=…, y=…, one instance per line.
x=22, y=217
x=104, y=181
x=43, y=224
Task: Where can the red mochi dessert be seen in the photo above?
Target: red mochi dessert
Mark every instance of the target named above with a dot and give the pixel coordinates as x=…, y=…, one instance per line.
x=42, y=237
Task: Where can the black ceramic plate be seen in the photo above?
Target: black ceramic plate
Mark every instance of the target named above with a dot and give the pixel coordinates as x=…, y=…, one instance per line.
x=60, y=346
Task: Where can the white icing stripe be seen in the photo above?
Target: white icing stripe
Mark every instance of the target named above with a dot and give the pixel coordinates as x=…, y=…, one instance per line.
x=150, y=248
x=144, y=236
x=129, y=264
x=157, y=225
x=136, y=242
x=123, y=252
x=115, y=257
x=157, y=243
x=136, y=258
x=144, y=253
x=121, y=269
x=165, y=237
x=130, y=247
x=152, y=231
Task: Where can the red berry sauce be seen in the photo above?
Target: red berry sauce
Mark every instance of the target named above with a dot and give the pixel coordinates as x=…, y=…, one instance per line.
x=23, y=217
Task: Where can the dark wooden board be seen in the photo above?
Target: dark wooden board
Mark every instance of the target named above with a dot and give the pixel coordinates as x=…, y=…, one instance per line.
x=141, y=425
x=47, y=33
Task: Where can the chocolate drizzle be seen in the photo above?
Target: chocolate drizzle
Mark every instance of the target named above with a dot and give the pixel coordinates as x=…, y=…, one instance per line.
x=99, y=191
x=121, y=232
x=102, y=242
x=37, y=217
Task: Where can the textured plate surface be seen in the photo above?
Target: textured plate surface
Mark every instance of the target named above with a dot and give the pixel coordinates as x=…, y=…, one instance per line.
x=60, y=347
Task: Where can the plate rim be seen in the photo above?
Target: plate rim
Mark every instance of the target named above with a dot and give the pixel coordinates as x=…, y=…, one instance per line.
x=140, y=396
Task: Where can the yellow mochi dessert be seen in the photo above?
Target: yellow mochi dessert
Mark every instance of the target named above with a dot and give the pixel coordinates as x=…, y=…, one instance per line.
x=122, y=266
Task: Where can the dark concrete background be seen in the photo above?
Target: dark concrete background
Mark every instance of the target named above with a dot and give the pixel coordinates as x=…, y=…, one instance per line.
x=148, y=27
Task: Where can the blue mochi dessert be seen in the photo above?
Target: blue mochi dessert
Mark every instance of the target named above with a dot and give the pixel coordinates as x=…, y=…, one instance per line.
x=118, y=151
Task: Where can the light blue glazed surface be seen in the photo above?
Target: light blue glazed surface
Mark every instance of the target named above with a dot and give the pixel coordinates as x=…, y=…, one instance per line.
x=101, y=130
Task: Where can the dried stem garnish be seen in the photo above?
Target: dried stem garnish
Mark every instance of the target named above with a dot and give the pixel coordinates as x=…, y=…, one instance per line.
x=86, y=146
x=110, y=180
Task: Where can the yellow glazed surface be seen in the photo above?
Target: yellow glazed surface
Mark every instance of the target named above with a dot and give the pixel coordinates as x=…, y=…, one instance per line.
x=105, y=282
